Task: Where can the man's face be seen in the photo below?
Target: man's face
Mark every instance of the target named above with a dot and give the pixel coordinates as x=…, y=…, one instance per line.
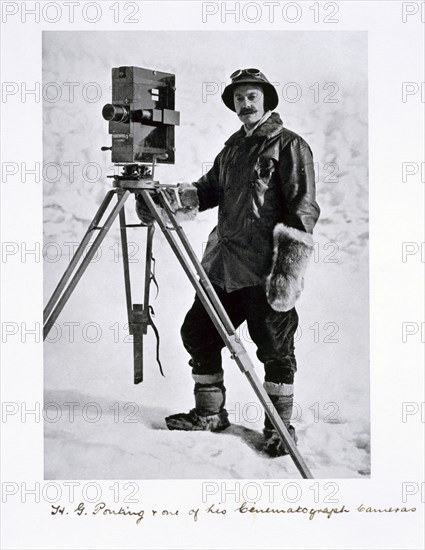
x=249, y=103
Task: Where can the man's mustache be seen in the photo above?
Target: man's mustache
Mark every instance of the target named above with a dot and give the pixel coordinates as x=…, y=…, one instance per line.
x=247, y=111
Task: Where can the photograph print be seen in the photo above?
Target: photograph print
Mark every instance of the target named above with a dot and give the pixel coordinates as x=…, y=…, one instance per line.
x=205, y=199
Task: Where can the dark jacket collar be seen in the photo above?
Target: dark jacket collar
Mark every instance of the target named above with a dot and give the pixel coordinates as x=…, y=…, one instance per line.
x=270, y=128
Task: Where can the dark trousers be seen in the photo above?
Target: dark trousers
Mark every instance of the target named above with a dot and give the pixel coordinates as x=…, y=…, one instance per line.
x=272, y=331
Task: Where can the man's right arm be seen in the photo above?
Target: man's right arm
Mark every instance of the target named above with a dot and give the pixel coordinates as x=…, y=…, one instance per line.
x=208, y=187
x=206, y=196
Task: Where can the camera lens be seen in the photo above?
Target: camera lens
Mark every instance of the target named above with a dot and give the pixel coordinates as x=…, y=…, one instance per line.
x=116, y=113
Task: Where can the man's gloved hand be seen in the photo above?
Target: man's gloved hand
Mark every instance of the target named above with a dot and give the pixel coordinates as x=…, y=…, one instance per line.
x=183, y=201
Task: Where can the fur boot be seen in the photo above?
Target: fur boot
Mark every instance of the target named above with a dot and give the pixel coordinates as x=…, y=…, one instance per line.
x=282, y=397
x=291, y=253
x=209, y=413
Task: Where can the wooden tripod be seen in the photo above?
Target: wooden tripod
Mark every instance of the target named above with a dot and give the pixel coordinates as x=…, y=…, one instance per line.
x=139, y=315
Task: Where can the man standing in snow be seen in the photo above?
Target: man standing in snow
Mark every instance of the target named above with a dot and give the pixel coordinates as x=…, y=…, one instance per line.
x=263, y=184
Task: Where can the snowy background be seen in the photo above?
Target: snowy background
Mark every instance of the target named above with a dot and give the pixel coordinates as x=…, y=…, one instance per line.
x=99, y=425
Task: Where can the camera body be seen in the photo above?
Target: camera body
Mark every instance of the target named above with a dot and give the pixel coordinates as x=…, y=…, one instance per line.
x=142, y=116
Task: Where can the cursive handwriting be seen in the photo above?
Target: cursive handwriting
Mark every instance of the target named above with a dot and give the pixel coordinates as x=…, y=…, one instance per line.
x=101, y=508
x=328, y=512
x=369, y=509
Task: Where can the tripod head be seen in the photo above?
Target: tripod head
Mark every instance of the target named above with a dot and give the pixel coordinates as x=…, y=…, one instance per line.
x=136, y=177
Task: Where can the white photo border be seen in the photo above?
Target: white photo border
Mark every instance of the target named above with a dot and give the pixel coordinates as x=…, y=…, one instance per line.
x=396, y=137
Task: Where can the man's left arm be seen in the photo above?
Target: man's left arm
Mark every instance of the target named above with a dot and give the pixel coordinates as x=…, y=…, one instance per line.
x=298, y=187
x=292, y=238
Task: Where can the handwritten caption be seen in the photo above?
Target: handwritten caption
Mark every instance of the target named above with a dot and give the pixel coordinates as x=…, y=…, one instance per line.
x=140, y=515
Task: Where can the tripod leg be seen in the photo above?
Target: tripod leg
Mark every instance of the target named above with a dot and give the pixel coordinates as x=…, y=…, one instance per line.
x=186, y=266
x=224, y=326
x=137, y=329
x=124, y=244
x=138, y=356
x=84, y=264
x=134, y=315
x=203, y=277
x=78, y=253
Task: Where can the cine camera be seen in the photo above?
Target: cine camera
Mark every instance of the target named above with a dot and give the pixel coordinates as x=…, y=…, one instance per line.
x=142, y=116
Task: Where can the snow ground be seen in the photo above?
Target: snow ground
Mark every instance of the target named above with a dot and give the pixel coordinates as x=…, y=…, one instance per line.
x=124, y=434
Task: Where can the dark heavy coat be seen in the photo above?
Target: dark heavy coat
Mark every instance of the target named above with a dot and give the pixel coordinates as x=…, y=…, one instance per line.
x=257, y=182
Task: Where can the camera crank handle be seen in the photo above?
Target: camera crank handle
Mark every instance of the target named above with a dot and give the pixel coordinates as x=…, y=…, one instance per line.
x=104, y=148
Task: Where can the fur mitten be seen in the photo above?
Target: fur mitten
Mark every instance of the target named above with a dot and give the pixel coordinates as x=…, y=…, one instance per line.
x=292, y=249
